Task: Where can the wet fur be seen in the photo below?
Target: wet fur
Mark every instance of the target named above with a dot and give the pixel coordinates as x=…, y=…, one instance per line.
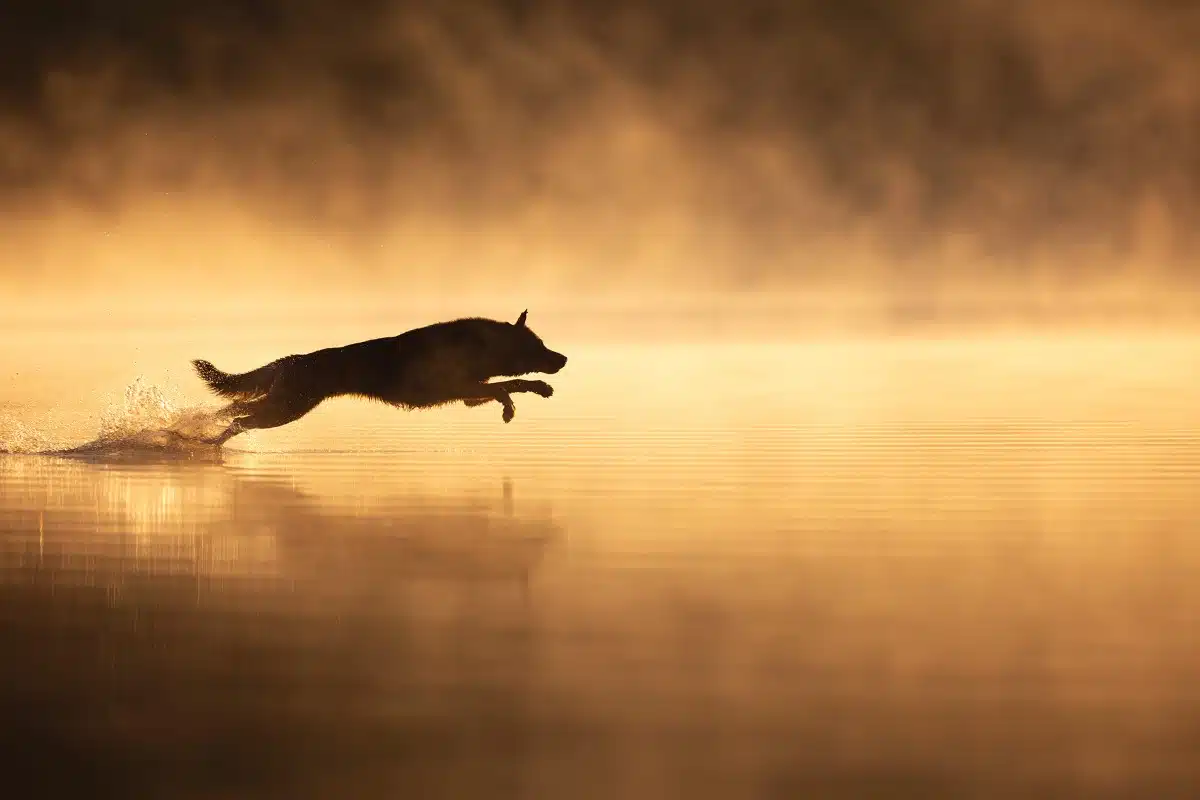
x=443, y=363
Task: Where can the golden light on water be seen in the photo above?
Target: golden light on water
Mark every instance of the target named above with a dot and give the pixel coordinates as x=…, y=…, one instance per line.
x=917, y=539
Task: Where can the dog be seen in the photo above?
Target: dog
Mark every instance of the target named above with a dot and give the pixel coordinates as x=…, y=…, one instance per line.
x=443, y=363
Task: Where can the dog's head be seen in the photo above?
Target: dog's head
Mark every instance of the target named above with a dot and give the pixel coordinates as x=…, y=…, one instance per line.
x=524, y=352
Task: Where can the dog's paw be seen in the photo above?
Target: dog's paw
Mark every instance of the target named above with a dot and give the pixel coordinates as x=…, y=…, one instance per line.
x=541, y=388
x=507, y=414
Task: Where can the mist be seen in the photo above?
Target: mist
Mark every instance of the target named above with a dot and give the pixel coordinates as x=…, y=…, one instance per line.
x=234, y=150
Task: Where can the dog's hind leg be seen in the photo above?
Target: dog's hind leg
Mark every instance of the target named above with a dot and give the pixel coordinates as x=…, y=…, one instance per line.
x=236, y=410
x=234, y=429
x=271, y=411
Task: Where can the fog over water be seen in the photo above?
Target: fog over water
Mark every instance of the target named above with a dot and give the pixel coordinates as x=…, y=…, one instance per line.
x=256, y=152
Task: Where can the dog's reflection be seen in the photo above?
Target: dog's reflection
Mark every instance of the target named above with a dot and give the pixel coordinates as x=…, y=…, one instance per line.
x=243, y=632
x=71, y=521
x=408, y=538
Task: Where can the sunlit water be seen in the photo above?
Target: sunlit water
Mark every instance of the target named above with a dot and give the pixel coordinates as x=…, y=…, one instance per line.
x=890, y=568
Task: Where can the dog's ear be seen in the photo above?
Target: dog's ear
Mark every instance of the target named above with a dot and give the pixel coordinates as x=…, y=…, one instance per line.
x=520, y=323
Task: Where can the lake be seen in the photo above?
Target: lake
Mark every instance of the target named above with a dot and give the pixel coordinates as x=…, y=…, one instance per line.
x=905, y=566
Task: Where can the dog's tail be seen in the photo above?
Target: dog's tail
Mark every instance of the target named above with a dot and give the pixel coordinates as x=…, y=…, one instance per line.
x=237, y=387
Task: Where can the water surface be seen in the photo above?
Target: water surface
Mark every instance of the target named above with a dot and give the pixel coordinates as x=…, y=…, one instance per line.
x=839, y=568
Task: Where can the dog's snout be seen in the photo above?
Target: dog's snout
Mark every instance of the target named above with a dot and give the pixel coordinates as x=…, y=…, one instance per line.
x=557, y=361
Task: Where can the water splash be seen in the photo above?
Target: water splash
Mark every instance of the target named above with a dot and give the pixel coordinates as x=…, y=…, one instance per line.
x=18, y=437
x=147, y=420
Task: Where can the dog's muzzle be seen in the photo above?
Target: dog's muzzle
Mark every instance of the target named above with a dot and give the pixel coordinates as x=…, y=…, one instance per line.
x=554, y=362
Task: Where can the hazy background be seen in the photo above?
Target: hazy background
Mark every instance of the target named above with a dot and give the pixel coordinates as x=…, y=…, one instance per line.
x=253, y=155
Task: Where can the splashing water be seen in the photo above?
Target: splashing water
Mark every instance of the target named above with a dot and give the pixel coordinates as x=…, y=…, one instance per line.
x=146, y=420
x=145, y=407
x=17, y=437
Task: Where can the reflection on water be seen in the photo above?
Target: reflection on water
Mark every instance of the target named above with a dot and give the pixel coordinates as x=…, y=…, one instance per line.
x=68, y=521
x=934, y=571
x=180, y=628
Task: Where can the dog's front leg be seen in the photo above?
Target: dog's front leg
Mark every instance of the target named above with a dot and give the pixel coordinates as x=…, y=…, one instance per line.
x=486, y=393
x=540, y=388
x=502, y=391
x=512, y=387
x=505, y=400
